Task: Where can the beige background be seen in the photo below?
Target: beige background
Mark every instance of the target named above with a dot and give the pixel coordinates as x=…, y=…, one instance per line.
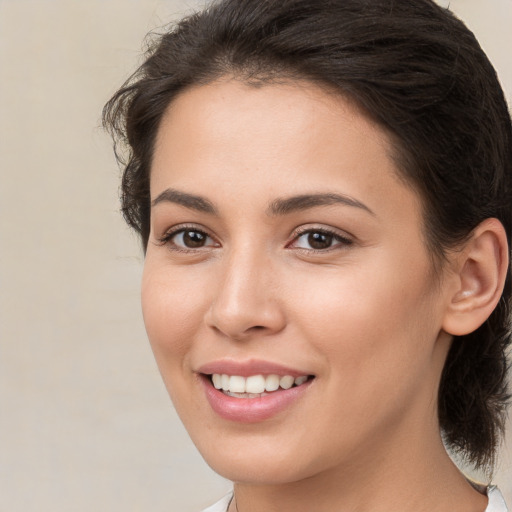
x=85, y=423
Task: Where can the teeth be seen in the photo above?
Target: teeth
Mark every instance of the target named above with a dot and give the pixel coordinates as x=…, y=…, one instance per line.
x=287, y=382
x=236, y=384
x=255, y=385
x=245, y=395
x=217, y=380
x=272, y=383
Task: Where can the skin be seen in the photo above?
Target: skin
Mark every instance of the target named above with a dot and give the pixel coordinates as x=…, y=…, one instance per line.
x=364, y=316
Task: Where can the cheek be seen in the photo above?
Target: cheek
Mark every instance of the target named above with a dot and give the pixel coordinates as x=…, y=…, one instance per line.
x=372, y=324
x=172, y=307
x=371, y=337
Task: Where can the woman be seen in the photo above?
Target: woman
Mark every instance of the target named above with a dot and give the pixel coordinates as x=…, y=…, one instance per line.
x=323, y=190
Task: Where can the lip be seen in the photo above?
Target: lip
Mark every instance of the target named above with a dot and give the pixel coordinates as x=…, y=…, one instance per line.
x=251, y=410
x=249, y=367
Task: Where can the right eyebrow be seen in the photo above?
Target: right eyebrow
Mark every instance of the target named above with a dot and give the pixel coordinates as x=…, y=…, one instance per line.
x=190, y=201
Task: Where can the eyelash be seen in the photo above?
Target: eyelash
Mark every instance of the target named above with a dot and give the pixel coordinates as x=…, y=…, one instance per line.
x=167, y=238
x=344, y=242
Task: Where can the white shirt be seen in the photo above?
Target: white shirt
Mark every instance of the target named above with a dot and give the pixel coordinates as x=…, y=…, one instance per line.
x=496, y=502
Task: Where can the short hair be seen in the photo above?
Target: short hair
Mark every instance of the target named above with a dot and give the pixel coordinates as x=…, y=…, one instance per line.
x=419, y=73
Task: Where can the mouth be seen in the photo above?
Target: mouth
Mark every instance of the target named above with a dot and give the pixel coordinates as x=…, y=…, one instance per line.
x=255, y=386
x=254, y=397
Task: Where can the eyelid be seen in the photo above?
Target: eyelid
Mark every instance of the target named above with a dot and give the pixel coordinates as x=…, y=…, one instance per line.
x=170, y=233
x=343, y=238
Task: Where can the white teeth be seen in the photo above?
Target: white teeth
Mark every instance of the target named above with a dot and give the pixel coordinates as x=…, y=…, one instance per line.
x=286, y=382
x=272, y=382
x=236, y=384
x=245, y=395
x=255, y=385
x=217, y=380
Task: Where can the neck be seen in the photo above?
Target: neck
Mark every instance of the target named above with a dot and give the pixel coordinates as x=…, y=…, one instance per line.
x=416, y=474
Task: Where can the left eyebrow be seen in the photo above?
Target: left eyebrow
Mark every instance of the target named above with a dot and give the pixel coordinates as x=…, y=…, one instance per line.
x=306, y=201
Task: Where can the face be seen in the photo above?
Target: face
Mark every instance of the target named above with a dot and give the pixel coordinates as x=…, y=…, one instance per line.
x=284, y=251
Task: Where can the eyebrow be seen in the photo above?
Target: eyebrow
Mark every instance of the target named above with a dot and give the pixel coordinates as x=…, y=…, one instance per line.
x=190, y=201
x=278, y=207
x=305, y=201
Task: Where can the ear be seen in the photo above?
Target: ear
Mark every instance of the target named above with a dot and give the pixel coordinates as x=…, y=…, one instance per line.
x=480, y=271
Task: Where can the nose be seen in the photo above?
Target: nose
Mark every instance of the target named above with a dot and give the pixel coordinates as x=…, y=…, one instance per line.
x=246, y=301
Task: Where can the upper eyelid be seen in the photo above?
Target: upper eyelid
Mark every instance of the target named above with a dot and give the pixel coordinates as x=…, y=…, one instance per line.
x=296, y=232
x=171, y=232
x=182, y=227
x=301, y=230
x=343, y=239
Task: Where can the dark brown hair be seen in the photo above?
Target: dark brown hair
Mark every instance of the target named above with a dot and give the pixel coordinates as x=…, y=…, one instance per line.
x=418, y=72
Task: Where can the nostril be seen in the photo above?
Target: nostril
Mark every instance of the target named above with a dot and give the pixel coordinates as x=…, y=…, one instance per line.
x=239, y=319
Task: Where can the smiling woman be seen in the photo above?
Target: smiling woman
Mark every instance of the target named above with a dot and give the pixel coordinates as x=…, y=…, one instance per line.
x=323, y=193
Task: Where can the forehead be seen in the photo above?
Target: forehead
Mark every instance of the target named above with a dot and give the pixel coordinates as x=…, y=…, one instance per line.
x=298, y=108
x=279, y=138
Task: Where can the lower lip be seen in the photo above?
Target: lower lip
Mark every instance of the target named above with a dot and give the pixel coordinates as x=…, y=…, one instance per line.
x=251, y=410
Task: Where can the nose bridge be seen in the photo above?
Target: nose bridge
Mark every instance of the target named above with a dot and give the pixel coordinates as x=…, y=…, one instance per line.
x=245, y=299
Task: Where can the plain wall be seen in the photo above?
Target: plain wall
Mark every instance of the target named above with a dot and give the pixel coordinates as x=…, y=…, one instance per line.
x=85, y=422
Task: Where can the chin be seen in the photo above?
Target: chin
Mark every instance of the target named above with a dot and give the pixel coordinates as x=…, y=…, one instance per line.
x=241, y=462
x=259, y=460
x=259, y=471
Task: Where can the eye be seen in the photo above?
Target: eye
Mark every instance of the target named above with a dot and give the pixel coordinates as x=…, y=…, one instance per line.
x=319, y=240
x=186, y=239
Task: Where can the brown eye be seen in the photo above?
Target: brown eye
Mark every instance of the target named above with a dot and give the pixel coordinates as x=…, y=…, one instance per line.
x=190, y=239
x=194, y=239
x=318, y=240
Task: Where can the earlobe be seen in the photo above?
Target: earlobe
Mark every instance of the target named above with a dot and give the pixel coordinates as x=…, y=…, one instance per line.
x=481, y=270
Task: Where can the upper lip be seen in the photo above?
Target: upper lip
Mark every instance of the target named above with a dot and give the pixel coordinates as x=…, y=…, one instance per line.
x=249, y=367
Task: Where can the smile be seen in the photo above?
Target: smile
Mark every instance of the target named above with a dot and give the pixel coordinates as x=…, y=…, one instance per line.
x=254, y=398
x=254, y=386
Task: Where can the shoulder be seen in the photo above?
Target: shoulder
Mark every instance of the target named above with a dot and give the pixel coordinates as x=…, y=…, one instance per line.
x=222, y=505
x=496, y=501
